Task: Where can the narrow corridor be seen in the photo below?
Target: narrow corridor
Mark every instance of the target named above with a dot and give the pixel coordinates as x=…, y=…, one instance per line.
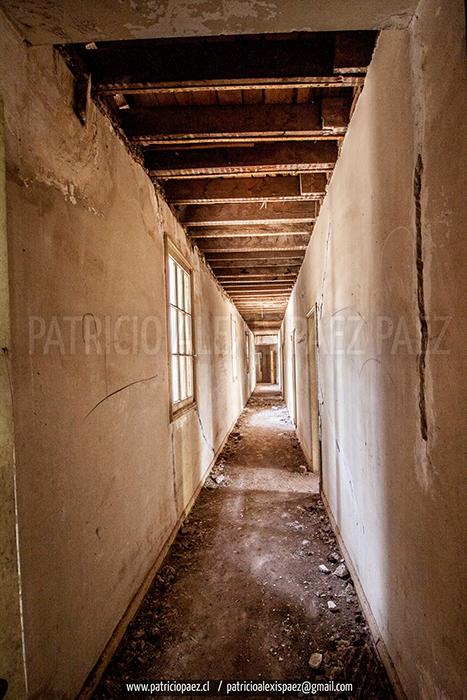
x=244, y=592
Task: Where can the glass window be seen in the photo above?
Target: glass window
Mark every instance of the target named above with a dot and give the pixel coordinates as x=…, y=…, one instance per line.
x=181, y=333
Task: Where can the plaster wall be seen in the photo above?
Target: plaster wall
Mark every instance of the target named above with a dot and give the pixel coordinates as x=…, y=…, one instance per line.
x=64, y=21
x=11, y=638
x=387, y=254
x=103, y=475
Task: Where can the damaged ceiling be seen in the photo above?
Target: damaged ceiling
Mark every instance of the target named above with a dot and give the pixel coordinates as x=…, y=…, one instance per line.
x=242, y=133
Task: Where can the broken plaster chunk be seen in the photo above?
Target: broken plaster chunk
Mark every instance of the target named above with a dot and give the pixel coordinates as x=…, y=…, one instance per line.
x=341, y=571
x=219, y=479
x=316, y=660
x=332, y=606
x=324, y=569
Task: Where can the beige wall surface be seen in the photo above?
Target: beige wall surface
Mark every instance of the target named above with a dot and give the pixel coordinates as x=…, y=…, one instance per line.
x=389, y=250
x=11, y=638
x=102, y=473
x=63, y=21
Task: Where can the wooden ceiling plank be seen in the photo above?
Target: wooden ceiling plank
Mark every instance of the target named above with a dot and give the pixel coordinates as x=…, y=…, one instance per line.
x=313, y=183
x=275, y=96
x=292, y=156
x=303, y=94
x=353, y=51
x=133, y=62
x=335, y=112
x=269, y=241
x=253, y=96
x=242, y=214
x=237, y=265
x=257, y=271
x=225, y=120
x=230, y=97
x=256, y=254
x=246, y=189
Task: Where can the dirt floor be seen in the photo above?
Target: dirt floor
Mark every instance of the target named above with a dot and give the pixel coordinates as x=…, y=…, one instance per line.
x=248, y=587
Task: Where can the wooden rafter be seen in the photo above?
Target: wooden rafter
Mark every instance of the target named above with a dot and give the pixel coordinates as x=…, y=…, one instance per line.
x=243, y=134
x=246, y=189
x=263, y=157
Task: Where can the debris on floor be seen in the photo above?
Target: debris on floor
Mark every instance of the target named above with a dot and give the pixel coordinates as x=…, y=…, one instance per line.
x=244, y=593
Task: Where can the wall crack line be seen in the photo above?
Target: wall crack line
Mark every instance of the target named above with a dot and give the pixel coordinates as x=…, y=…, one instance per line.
x=117, y=391
x=325, y=268
x=203, y=433
x=421, y=298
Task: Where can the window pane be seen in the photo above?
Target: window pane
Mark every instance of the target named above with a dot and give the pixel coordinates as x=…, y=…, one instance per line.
x=179, y=287
x=173, y=329
x=187, y=292
x=181, y=332
x=189, y=376
x=188, y=349
x=172, y=281
x=183, y=394
x=175, y=379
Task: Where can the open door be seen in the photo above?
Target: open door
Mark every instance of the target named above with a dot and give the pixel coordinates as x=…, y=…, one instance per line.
x=313, y=392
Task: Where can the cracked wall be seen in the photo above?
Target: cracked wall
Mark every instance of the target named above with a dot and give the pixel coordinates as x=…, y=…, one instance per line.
x=386, y=267
x=102, y=474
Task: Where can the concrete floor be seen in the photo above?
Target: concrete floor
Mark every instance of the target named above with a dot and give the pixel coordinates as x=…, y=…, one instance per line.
x=240, y=594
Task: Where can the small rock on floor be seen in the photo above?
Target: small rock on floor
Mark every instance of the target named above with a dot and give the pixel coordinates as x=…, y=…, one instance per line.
x=316, y=660
x=341, y=571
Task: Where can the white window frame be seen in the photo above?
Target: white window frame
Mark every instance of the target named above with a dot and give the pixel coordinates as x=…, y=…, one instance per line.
x=180, y=335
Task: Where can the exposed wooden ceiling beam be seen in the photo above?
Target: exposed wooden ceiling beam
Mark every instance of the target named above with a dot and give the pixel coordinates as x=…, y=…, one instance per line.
x=255, y=255
x=264, y=157
x=258, y=301
x=228, y=121
x=266, y=307
x=267, y=241
x=231, y=86
x=264, y=326
x=154, y=64
x=258, y=271
x=284, y=188
x=256, y=289
x=264, y=287
x=245, y=214
x=278, y=231
x=236, y=265
x=186, y=125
